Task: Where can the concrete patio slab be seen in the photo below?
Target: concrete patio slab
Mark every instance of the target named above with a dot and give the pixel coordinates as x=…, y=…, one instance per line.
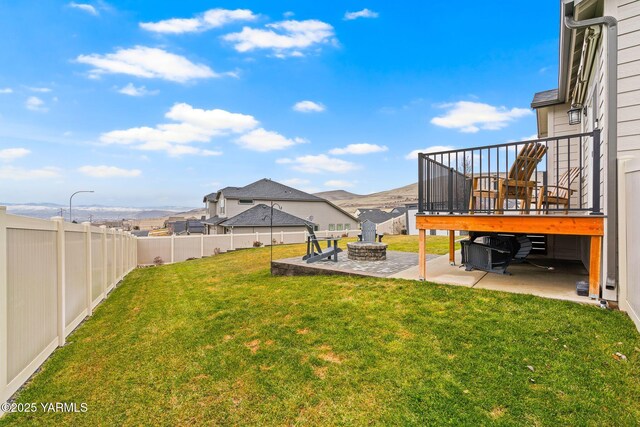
x=440, y=271
x=559, y=283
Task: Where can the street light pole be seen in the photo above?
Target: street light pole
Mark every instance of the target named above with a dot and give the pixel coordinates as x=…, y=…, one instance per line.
x=71, y=198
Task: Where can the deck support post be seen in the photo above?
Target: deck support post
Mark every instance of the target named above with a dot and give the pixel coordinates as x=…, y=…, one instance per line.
x=595, y=255
x=422, y=254
x=452, y=247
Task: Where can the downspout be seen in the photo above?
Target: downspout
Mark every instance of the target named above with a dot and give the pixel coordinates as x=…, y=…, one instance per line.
x=612, y=138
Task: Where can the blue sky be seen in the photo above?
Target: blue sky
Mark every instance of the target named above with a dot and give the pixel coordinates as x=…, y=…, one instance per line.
x=158, y=103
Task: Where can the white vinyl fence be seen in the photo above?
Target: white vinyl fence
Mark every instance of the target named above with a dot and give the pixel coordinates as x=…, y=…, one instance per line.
x=52, y=275
x=629, y=235
x=170, y=249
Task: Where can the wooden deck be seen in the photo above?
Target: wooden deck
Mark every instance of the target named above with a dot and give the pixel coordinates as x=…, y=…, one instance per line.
x=578, y=225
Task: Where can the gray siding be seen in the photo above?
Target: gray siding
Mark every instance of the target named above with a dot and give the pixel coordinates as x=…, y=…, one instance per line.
x=629, y=77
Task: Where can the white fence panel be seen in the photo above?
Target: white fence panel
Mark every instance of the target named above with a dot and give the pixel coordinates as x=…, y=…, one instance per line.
x=221, y=242
x=629, y=235
x=51, y=275
x=289, y=237
x=186, y=247
x=75, y=259
x=151, y=247
x=98, y=272
x=32, y=300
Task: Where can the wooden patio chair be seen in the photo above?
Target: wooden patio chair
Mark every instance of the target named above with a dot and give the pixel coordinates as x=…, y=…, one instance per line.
x=315, y=251
x=517, y=185
x=558, y=194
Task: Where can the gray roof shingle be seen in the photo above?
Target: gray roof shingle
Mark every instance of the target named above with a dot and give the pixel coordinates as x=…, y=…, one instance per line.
x=264, y=189
x=544, y=98
x=259, y=216
x=375, y=215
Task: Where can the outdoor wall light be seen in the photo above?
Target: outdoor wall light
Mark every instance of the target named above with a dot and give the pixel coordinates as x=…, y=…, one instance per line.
x=575, y=115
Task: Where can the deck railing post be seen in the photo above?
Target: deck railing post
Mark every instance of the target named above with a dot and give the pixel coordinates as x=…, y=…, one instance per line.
x=450, y=191
x=420, y=183
x=595, y=209
x=545, y=186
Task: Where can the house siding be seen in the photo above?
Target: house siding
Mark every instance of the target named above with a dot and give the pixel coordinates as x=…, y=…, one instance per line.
x=322, y=212
x=627, y=12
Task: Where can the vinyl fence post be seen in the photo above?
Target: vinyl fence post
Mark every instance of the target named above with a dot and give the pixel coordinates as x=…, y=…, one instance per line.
x=173, y=238
x=115, y=257
x=202, y=246
x=281, y=236
x=89, y=263
x=105, y=274
x=231, y=241
x=4, y=308
x=60, y=250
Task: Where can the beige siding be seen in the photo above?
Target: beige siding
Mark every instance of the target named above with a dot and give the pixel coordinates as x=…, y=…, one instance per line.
x=629, y=77
x=322, y=212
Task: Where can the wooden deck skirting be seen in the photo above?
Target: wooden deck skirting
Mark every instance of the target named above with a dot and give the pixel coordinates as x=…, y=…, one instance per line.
x=582, y=225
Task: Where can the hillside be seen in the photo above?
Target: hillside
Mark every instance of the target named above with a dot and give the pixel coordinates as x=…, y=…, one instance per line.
x=384, y=200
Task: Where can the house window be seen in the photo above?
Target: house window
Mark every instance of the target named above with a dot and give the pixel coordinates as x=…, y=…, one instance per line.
x=245, y=202
x=332, y=227
x=221, y=206
x=339, y=227
x=316, y=228
x=347, y=226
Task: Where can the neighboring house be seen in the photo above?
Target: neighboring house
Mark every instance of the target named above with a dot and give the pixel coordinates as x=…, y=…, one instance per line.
x=376, y=216
x=185, y=227
x=590, y=123
x=229, y=202
x=398, y=211
x=258, y=219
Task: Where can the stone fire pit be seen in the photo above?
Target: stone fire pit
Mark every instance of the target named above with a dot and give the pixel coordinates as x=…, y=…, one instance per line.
x=365, y=251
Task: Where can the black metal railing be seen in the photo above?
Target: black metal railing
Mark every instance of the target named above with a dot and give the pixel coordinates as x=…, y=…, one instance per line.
x=560, y=174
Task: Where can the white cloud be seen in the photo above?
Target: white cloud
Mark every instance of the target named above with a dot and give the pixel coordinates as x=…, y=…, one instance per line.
x=39, y=89
x=34, y=103
x=6, y=90
x=292, y=182
x=337, y=184
x=284, y=38
x=264, y=140
x=363, y=148
x=147, y=62
x=103, y=171
x=10, y=154
x=288, y=14
x=84, y=7
x=192, y=125
x=364, y=13
x=20, y=174
x=212, y=18
x=470, y=117
x=318, y=164
x=133, y=90
x=433, y=149
x=309, y=107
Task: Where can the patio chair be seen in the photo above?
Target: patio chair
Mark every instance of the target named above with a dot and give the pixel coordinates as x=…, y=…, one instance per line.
x=517, y=185
x=558, y=194
x=315, y=251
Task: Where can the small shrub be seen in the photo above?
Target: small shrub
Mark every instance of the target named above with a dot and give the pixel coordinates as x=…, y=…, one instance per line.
x=274, y=242
x=345, y=234
x=216, y=251
x=158, y=260
x=257, y=244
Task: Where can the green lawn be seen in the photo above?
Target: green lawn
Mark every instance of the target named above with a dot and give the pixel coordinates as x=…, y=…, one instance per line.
x=218, y=341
